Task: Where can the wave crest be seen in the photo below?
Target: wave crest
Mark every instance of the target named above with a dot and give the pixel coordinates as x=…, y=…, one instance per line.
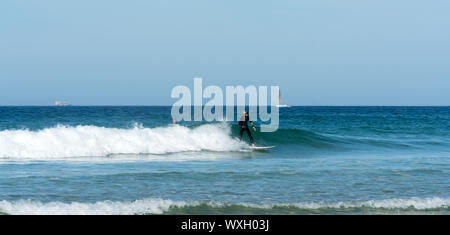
x=86, y=141
x=161, y=206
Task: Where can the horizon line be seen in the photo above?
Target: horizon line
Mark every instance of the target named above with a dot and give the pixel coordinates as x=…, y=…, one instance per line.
x=153, y=105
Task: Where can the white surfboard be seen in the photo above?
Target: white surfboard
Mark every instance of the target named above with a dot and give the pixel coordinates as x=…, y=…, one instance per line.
x=262, y=147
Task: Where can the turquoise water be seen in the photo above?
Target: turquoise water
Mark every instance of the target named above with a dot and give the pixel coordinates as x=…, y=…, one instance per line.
x=130, y=160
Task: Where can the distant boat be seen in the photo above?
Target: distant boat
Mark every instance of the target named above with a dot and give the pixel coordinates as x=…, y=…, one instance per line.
x=62, y=103
x=280, y=101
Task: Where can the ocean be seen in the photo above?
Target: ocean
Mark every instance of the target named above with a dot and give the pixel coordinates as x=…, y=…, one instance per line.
x=133, y=160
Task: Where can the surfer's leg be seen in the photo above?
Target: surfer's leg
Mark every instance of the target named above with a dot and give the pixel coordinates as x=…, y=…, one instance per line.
x=250, y=135
x=240, y=133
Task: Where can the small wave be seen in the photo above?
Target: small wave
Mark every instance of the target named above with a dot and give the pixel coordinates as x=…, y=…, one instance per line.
x=161, y=206
x=86, y=141
x=304, y=139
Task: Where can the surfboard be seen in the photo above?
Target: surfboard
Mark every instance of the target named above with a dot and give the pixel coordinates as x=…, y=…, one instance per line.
x=262, y=147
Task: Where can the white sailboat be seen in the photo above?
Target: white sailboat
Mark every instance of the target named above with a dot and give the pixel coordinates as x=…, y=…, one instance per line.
x=280, y=102
x=62, y=103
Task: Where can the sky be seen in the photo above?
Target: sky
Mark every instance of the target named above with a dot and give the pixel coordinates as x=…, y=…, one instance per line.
x=320, y=52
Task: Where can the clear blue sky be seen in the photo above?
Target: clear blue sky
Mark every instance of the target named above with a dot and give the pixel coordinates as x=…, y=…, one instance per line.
x=320, y=52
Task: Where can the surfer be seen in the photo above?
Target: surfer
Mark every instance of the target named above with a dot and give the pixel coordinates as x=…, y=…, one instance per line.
x=244, y=127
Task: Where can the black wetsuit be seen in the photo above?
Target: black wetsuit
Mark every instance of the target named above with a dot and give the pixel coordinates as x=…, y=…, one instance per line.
x=244, y=127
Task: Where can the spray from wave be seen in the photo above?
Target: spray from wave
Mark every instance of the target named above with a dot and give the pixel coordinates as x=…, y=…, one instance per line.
x=162, y=206
x=85, y=141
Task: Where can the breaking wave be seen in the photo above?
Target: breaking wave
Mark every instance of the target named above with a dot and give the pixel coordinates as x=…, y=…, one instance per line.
x=85, y=141
x=162, y=206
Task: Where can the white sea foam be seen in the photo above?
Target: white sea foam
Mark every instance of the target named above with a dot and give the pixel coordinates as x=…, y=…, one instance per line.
x=414, y=203
x=86, y=141
x=145, y=206
x=159, y=206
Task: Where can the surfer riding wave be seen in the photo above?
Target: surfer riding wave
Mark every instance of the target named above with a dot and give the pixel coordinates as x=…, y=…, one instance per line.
x=243, y=123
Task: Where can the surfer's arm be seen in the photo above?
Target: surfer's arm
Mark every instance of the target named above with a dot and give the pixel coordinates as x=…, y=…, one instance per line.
x=254, y=128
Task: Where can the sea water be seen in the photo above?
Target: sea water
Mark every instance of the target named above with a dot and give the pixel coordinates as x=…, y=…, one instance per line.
x=132, y=160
